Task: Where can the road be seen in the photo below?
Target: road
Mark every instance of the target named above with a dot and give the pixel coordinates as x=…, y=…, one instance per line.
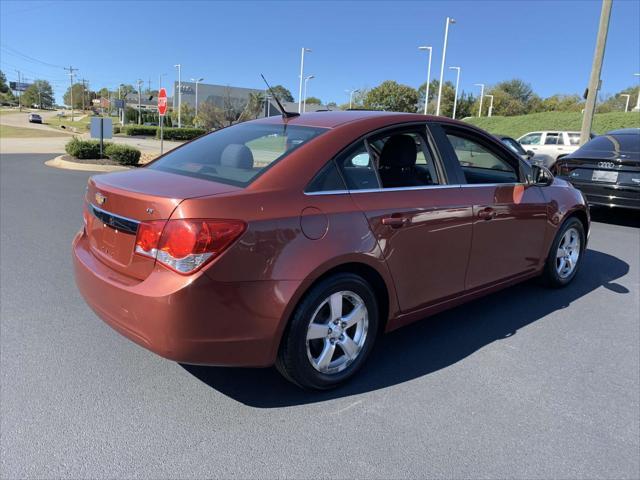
x=526, y=383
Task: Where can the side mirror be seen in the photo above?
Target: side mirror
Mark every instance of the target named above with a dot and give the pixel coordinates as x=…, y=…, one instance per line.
x=541, y=176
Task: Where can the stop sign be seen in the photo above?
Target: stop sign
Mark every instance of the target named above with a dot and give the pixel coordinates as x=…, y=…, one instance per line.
x=162, y=102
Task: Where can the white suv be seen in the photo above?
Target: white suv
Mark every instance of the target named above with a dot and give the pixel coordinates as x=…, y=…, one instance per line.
x=553, y=144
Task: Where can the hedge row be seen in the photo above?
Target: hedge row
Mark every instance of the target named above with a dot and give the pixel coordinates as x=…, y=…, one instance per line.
x=134, y=130
x=181, y=133
x=90, y=149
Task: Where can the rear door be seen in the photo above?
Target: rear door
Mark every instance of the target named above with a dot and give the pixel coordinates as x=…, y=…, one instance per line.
x=424, y=230
x=509, y=216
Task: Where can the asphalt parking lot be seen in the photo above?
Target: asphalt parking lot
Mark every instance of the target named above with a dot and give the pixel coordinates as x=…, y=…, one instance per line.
x=526, y=383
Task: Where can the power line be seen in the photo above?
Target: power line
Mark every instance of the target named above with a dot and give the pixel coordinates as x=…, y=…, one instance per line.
x=13, y=51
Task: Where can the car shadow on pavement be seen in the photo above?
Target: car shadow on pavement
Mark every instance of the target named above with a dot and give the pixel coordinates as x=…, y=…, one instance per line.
x=615, y=216
x=429, y=345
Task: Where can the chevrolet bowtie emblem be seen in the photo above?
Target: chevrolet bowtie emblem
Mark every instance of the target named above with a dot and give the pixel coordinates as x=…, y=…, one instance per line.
x=100, y=198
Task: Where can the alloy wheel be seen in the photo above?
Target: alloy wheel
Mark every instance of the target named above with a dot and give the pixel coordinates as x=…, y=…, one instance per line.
x=568, y=253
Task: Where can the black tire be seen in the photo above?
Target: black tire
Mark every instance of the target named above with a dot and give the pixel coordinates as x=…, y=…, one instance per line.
x=293, y=361
x=551, y=276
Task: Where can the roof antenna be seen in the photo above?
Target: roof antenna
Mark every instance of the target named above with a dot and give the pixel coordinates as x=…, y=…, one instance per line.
x=285, y=114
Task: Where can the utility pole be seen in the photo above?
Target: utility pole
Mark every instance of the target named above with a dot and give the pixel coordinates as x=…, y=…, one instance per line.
x=84, y=92
x=149, y=87
x=444, y=56
x=71, y=70
x=596, y=68
x=19, y=91
x=140, y=83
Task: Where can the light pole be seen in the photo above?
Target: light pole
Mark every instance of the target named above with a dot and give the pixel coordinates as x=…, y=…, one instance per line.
x=179, y=67
x=121, y=110
x=140, y=83
x=455, y=98
x=481, y=85
x=638, y=99
x=160, y=81
x=351, y=92
x=426, y=93
x=306, y=79
x=490, y=105
x=197, y=81
x=626, y=105
x=301, y=77
x=444, y=56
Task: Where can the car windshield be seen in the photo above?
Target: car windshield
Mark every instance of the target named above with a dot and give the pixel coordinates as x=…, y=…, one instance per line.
x=626, y=142
x=236, y=155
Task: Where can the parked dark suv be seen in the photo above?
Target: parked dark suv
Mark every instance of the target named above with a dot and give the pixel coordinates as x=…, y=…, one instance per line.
x=606, y=169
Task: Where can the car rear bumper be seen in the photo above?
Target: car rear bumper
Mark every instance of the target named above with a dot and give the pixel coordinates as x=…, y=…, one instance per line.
x=188, y=319
x=611, y=195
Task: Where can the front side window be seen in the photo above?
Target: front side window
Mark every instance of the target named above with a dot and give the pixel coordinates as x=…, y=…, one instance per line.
x=574, y=138
x=236, y=155
x=531, y=139
x=478, y=163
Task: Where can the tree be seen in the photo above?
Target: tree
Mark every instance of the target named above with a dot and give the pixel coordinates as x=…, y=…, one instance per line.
x=616, y=103
x=209, y=116
x=39, y=93
x=513, y=97
x=4, y=88
x=392, y=96
x=187, y=115
x=313, y=100
x=283, y=94
x=78, y=92
x=255, y=106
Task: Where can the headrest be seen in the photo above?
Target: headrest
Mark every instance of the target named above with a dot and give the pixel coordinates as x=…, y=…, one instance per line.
x=237, y=155
x=398, y=152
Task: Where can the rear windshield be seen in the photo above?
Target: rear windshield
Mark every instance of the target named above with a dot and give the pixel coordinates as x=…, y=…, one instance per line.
x=625, y=142
x=236, y=155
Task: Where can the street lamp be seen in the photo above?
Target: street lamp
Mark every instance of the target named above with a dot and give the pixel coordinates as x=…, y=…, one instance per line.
x=140, y=82
x=481, y=85
x=626, y=105
x=490, y=105
x=426, y=93
x=455, y=98
x=179, y=67
x=301, y=78
x=197, y=81
x=306, y=79
x=638, y=99
x=351, y=92
x=444, y=56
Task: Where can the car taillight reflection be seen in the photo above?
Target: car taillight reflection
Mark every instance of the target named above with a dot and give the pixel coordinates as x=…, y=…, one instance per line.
x=186, y=245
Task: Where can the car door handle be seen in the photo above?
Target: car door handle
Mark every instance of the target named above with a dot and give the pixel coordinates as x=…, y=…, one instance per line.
x=395, y=222
x=487, y=213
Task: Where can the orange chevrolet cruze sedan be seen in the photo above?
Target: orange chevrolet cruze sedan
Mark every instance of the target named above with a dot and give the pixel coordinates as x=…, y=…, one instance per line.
x=297, y=241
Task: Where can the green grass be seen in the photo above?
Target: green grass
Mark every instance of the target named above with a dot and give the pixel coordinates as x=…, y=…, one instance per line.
x=9, y=111
x=7, y=131
x=519, y=125
x=58, y=122
x=271, y=144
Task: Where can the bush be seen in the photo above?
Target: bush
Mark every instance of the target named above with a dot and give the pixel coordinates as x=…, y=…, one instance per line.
x=116, y=129
x=123, y=154
x=85, y=148
x=133, y=130
x=181, y=133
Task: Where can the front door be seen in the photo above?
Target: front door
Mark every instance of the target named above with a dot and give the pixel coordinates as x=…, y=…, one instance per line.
x=509, y=216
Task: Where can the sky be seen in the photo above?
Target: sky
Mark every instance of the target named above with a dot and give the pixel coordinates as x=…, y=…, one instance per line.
x=358, y=44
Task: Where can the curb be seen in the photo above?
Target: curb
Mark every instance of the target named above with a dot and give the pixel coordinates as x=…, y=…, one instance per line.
x=59, y=162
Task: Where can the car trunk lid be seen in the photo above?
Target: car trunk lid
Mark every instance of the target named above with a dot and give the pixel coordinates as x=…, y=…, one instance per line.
x=116, y=203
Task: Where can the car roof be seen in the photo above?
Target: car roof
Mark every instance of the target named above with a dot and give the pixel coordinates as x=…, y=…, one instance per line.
x=333, y=118
x=625, y=131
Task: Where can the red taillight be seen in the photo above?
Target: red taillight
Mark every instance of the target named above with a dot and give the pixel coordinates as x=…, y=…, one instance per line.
x=186, y=245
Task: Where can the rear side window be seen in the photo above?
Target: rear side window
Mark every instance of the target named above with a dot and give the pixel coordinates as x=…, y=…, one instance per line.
x=553, y=139
x=236, y=155
x=327, y=180
x=531, y=139
x=574, y=138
